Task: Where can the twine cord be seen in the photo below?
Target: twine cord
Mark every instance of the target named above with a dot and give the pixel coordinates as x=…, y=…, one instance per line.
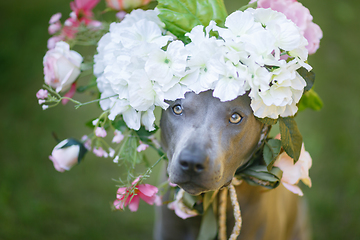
x=222, y=213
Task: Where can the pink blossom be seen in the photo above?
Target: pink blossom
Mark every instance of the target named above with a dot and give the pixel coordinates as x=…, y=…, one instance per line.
x=293, y=173
x=61, y=66
x=313, y=34
x=54, y=28
x=69, y=94
x=100, y=152
x=121, y=15
x=83, y=8
x=146, y=192
x=55, y=18
x=126, y=4
x=87, y=142
x=300, y=15
x=142, y=147
x=42, y=94
x=41, y=101
x=53, y=40
x=118, y=137
x=100, y=132
x=111, y=152
x=181, y=210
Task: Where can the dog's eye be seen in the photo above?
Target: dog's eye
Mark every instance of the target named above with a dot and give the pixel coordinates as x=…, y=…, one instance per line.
x=177, y=109
x=235, y=118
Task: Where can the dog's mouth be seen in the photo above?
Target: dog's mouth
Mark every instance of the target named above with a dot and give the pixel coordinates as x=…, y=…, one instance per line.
x=196, y=189
x=193, y=188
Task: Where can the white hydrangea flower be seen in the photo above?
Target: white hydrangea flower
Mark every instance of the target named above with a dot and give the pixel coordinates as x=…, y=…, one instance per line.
x=205, y=55
x=135, y=72
x=162, y=66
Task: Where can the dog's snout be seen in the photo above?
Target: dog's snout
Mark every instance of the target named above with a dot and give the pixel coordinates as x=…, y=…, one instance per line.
x=193, y=162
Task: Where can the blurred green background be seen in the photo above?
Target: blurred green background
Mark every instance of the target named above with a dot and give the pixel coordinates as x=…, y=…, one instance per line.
x=36, y=202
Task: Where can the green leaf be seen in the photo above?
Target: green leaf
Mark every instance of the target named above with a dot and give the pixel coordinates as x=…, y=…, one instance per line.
x=311, y=100
x=291, y=139
x=180, y=16
x=208, y=227
x=259, y=175
x=250, y=5
x=309, y=77
x=189, y=200
x=268, y=121
x=145, y=134
x=271, y=150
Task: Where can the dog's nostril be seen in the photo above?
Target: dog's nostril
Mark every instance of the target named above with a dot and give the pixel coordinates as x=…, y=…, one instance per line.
x=199, y=168
x=184, y=165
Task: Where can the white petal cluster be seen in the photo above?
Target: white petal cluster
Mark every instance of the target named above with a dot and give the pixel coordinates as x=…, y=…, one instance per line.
x=257, y=52
x=134, y=73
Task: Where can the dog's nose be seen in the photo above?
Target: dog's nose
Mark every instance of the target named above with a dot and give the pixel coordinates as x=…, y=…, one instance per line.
x=192, y=162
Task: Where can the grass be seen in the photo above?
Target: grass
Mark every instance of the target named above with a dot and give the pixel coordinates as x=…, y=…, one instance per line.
x=36, y=202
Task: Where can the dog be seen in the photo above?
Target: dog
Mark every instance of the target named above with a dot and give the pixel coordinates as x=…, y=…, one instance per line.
x=206, y=141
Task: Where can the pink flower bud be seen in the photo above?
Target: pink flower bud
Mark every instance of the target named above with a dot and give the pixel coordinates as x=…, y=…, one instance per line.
x=66, y=154
x=54, y=28
x=142, y=147
x=118, y=137
x=100, y=132
x=54, y=18
x=42, y=94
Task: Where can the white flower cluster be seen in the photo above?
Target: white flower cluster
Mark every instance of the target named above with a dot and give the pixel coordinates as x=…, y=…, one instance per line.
x=258, y=51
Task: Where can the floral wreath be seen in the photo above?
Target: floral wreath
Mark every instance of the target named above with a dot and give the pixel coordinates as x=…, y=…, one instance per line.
x=147, y=57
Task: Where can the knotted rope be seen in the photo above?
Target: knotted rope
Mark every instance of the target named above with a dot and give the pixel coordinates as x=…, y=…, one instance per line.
x=222, y=212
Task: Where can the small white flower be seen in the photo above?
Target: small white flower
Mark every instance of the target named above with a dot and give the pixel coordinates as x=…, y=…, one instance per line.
x=118, y=136
x=163, y=65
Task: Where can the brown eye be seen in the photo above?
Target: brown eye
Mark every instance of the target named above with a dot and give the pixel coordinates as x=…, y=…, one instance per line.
x=177, y=109
x=235, y=118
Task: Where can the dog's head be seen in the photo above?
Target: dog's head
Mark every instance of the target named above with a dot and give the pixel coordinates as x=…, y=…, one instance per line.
x=207, y=140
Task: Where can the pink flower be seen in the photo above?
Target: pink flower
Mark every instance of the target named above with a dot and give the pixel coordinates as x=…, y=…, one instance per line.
x=181, y=210
x=100, y=132
x=293, y=173
x=126, y=4
x=87, y=142
x=55, y=18
x=100, y=152
x=42, y=94
x=300, y=15
x=146, y=192
x=313, y=34
x=142, y=147
x=83, y=8
x=66, y=154
x=53, y=40
x=54, y=28
x=61, y=66
x=69, y=94
x=118, y=137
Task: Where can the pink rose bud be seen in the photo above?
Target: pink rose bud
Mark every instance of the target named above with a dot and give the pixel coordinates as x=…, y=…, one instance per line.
x=42, y=94
x=66, y=154
x=100, y=132
x=126, y=4
x=61, y=66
